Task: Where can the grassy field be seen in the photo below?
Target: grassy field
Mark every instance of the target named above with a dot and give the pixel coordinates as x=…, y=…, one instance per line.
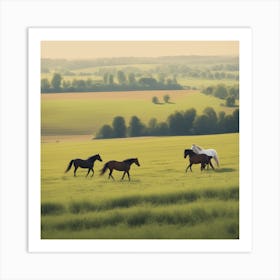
x=160, y=201
x=86, y=113
x=204, y=83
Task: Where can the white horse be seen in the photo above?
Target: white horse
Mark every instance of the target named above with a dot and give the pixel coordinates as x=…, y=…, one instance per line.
x=208, y=152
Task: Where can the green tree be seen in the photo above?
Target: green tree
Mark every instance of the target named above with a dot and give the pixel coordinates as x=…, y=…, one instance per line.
x=131, y=79
x=235, y=116
x=234, y=91
x=221, y=122
x=148, y=82
x=161, y=78
x=45, y=85
x=229, y=123
x=201, y=124
x=174, y=81
x=106, y=131
x=136, y=128
x=162, y=129
x=106, y=78
x=121, y=77
x=189, y=117
x=155, y=100
x=212, y=119
x=152, y=126
x=79, y=85
x=66, y=84
x=166, y=98
x=119, y=127
x=56, y=81
x=230, y=101
x=208, y=90
x=221, y=92
x=111, y=79
x=176, y=124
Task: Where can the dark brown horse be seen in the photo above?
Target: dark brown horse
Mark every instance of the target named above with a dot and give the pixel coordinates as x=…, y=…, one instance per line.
x=120, y=166
x=197, y=158
x=83, y=163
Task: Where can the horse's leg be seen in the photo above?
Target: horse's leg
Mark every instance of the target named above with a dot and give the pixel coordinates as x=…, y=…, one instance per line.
x=123, y=175
x=128, y=175
x=110, y=174
x=211, y=164
x=88, y=172
x=76, y=167
x=202, y=166
x=216, y=160
x=92, y=172
x=188, y=167
x=191, y=167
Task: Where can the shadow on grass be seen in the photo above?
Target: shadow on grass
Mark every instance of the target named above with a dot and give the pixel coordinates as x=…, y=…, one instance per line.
x=164, y=103
x=224, y=170
x=50, y=208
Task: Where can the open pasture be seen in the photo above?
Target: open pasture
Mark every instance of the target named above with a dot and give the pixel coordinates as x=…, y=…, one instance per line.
x=160, y=202
x=86, y=113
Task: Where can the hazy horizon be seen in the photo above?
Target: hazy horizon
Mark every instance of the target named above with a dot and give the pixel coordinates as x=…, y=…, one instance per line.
x=82, y=50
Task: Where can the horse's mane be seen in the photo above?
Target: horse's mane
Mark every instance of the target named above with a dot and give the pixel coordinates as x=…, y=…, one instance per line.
x=129, y=159
x=92, y=157
x=199, y=148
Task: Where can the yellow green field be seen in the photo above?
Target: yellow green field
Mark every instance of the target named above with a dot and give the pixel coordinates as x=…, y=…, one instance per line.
x=86, y=113
x=160, y=201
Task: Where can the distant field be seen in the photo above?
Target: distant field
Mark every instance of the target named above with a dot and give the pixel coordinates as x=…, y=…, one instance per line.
x=92, y=72
x=160, y=201
x=204, y=83
x=85, y=113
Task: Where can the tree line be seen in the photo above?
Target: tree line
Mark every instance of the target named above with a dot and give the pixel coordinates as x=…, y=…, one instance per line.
x=229, y=94
x=216, y=63
x=110, y=82
x=179, y=123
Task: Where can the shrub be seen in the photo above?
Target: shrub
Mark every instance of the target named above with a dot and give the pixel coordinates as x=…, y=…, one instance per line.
x=166, y=98
x=155, y=100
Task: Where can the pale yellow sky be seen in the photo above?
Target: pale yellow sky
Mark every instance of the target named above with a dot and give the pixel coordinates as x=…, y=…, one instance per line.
x=100, y=49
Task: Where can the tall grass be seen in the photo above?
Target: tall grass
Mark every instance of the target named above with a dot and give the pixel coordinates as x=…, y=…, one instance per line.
x=127, y=201
x=180, y=215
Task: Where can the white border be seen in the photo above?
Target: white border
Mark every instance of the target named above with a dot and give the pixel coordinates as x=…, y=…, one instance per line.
x=16, y=262
x=243, y=35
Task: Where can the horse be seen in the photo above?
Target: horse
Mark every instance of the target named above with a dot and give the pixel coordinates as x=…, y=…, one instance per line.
x=87, y=163
x=120, y=166
x=208, y=152
x=203, y=159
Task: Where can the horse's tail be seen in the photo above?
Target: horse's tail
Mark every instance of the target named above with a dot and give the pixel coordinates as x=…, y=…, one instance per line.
x=216, y=160
x=103, y=170
x=69, y=165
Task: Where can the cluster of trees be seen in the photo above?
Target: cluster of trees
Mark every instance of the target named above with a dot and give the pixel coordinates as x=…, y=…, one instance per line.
x=178, y=123
x=230, y=95
x=166, y=99
x=123, y=83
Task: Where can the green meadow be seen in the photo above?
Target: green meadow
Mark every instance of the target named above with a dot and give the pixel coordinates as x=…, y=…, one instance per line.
x=161, y=201
x=86, y=113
